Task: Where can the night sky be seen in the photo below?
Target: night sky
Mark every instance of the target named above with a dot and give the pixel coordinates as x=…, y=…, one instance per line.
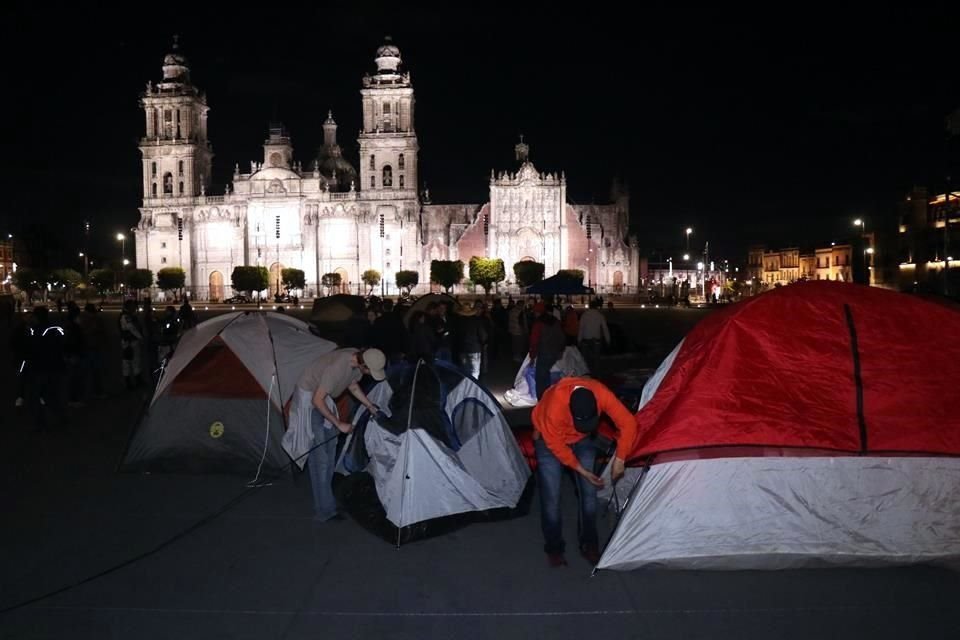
x=777, y=127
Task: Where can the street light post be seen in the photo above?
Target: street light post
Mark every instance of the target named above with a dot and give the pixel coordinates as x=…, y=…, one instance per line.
x=867, y=250
x=689, y=231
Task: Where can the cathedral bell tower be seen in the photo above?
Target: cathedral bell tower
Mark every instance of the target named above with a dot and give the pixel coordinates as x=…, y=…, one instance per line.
x=388, y=141
x=176, y=154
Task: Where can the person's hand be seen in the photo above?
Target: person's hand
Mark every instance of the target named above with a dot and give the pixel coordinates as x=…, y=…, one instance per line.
x=591, y=478
x=373, y=409
x=616, y=471
x=343, y=427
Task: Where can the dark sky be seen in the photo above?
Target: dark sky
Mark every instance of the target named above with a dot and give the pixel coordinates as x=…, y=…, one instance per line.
x=778, y=126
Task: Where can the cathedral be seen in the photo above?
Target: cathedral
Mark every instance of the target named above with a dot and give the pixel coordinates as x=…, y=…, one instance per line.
x=330, y=217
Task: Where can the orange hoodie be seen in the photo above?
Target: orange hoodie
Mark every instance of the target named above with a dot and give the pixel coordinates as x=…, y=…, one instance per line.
x=552, y=418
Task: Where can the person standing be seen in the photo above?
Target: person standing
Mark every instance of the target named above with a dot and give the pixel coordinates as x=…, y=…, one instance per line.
x=563, y=422
x=131, y=341
x=593, y=334
x=94, y=345
x=314, y=424
x=470, y=340
x=518, y=329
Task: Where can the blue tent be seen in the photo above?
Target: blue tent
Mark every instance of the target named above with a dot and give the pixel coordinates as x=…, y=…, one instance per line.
x=559, y=285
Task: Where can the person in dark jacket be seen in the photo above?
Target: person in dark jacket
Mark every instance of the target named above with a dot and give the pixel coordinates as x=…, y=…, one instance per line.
x=45, y=380
x=389, y=334
x=423, y=338
x=470, y=339
x=550, y=347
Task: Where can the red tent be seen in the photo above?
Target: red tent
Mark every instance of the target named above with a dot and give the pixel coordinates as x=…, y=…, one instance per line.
x=819, y=365
x=782, y=417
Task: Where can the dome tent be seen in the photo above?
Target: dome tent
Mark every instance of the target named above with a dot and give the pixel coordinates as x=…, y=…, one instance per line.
x=218, y=405
x=812, y=425
x=441, y=454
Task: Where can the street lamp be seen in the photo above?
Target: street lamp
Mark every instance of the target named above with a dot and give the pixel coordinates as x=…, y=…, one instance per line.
x=862, y=223
x=689, y=231
x=123, y=246
x=686, y=256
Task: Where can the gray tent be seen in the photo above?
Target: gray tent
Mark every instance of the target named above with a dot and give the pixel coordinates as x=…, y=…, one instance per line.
x=446, y=449
x=218, y=405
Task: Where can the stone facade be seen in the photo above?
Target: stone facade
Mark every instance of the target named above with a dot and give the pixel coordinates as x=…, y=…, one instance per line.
x=329, y=217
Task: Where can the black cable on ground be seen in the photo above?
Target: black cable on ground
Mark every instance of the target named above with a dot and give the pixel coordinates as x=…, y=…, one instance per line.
x=166, y=543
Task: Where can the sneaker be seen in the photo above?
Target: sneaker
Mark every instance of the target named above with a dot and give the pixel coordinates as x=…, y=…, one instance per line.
x=556, y=560
x=590, y=553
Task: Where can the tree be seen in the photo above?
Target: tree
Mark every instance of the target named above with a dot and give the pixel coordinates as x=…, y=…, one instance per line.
x=293, y=279
x=331, y=281
x=446, y=273
x=171, y=278
x=573, y=274
x=528, y=272
x=65, y=279
x=250, y=279
x=102, y=280
x=407, y=280
x=371, y=278
x=138, y=279
x=29, y=280
x=486, y=272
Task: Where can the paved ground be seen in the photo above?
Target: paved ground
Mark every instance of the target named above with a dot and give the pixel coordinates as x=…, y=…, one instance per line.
x=262, y=570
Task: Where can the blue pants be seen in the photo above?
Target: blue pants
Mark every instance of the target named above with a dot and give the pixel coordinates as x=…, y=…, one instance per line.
x=320, y=463
x=549, y=476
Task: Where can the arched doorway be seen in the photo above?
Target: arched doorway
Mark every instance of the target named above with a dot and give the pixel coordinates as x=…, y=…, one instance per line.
x=275, y=282
x=216, y=287
x=618, y=281
x=526, y=259
x=344, y=280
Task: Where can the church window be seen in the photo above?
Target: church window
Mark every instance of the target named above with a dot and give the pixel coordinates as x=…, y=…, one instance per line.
x=163, y=245
x=373, y=182
x=400, y=162
x=153, y=169
x=168, y=183
x=373, y=163
x=167, y=124
x=181, y=187
x=401, y=181
x=154, y=189
x=180, y=168
x=163, y=261
x=386, y=108
x=387, y=176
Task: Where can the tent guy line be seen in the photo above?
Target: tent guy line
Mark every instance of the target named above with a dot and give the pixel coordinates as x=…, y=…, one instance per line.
x=482, y=614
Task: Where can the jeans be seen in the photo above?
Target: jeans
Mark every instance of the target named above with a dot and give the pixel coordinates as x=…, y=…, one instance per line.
x=545, y=362
x=320, y=464
x=549, y=476
x=470, y=363
x=591, y=350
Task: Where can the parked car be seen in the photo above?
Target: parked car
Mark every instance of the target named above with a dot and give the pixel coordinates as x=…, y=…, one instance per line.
x=237, y=299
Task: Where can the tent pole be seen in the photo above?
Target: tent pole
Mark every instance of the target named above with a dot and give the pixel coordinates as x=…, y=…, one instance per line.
x=633, y=491
x=403, y=474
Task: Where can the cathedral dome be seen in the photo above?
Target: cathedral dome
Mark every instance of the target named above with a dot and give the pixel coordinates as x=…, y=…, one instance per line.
x=332, y=163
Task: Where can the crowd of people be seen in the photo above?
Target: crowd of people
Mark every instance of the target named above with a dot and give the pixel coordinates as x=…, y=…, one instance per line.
x=474, y=335
x=61, y=357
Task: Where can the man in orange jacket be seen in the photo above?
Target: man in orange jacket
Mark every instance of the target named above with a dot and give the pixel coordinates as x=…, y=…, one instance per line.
x=564, y=421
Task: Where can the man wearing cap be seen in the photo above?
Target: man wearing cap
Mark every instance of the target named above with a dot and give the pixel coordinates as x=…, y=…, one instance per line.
x=314, y=424
x=563, y=421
